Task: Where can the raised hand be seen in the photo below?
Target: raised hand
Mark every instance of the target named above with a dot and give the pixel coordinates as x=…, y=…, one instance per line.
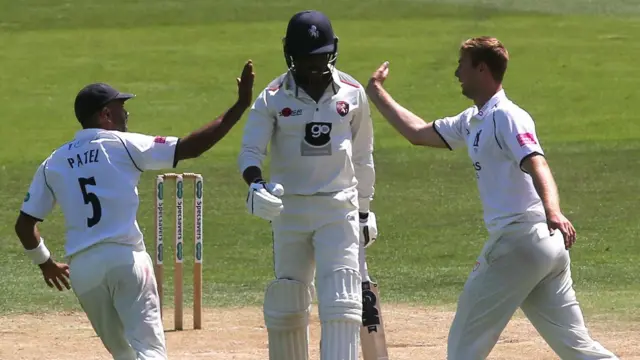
x=245, y=84
x=380, y=75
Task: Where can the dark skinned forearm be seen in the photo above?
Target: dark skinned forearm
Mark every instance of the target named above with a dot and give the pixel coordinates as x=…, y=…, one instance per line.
x=201, y=140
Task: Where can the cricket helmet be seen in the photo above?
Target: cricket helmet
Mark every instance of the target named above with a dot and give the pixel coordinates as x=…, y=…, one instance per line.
x=309, y=33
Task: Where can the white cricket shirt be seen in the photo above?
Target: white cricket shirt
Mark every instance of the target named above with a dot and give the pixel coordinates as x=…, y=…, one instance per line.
x=498, y=137
x=94, y=179
x=323, y=147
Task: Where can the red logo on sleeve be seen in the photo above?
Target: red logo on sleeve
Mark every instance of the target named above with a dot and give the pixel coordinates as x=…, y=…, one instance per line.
x=160, y=139
x=342, y=107
x=526, y=139
x=286, y=112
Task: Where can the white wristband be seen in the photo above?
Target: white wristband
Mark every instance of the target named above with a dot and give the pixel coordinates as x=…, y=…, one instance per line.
x=40, y=254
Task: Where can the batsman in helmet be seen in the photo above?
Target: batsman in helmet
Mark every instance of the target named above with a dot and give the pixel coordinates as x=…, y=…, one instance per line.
x=318, y=124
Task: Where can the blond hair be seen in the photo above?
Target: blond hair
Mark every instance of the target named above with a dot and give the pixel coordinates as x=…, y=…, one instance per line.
x=488, y=50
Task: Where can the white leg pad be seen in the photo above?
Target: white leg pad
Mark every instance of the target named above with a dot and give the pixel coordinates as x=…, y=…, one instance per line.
x=340, y=307
x=287, y=305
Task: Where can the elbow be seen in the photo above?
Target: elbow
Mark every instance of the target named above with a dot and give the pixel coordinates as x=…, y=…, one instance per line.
x=415, y=139
x=418, y=135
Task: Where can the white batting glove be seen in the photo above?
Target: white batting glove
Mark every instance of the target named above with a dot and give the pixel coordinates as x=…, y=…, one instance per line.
x=368, y=229
x=263, y=200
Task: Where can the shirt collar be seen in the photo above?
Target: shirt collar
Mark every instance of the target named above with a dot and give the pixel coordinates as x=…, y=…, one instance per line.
x=85, y=133
x=492, y=103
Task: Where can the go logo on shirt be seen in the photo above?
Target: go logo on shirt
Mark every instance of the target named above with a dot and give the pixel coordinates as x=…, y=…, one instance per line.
x=317, y=139
x=27, y=197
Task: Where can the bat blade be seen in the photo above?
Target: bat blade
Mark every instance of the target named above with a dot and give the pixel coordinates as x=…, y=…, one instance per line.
x=372, y=336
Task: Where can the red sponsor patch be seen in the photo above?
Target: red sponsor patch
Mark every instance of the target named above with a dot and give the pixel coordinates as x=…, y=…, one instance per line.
x=526, y=139
x=286, y=112
x=160, y=139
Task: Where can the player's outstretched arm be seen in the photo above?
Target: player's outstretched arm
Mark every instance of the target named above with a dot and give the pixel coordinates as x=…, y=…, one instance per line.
x=409, y=125
x=201, y=140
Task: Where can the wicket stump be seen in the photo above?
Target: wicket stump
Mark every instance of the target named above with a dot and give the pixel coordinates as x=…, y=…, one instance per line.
x=179, y=244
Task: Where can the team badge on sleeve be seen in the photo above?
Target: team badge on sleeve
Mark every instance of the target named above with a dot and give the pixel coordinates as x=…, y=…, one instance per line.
x=342, y=107
x=526, y=139
x=160, y=139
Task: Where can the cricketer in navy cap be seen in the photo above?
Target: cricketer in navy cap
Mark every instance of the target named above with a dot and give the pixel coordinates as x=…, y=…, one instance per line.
x=311, y=50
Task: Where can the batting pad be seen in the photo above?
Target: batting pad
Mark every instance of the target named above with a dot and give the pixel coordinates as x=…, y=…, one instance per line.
x=340, y=296
x=287, y=304
x=340, y=340
x=340, y=306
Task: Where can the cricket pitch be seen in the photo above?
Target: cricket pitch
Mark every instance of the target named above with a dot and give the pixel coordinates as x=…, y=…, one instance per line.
x=239, y=334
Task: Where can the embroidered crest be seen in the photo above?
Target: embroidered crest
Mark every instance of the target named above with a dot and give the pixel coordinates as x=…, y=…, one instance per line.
x=313, y=32
x=342, y=107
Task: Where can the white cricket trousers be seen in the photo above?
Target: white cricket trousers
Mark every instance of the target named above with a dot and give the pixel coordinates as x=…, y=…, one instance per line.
x=316, y=235
x=524, y=267
x=117, y=289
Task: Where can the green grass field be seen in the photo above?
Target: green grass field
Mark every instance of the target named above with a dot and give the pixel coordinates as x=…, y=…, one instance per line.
x=573, y=67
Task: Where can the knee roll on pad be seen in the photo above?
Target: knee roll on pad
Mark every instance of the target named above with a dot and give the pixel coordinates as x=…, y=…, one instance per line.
x=287, y=304
x=340, y=296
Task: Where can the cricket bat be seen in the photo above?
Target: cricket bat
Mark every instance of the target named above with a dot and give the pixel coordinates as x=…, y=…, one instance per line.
x=372, y=337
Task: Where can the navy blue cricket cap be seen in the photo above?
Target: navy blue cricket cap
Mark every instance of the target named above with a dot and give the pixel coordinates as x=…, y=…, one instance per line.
x=310, y=32
x=94, y=97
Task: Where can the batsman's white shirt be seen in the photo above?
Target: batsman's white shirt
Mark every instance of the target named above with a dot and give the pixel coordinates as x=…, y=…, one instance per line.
x=499, y=137
x=94, y=179
x=316, y=148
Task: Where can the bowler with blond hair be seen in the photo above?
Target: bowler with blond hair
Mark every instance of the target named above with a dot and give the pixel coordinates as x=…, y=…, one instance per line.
x=525, y=261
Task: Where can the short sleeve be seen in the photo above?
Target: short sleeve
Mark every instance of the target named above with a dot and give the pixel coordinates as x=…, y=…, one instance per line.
x=450, y=130
x=518, y=133
x=150, y=152
x=40, y=199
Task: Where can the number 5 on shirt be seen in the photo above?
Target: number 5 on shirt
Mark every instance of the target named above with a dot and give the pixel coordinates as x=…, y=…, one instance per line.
x=91, y=198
